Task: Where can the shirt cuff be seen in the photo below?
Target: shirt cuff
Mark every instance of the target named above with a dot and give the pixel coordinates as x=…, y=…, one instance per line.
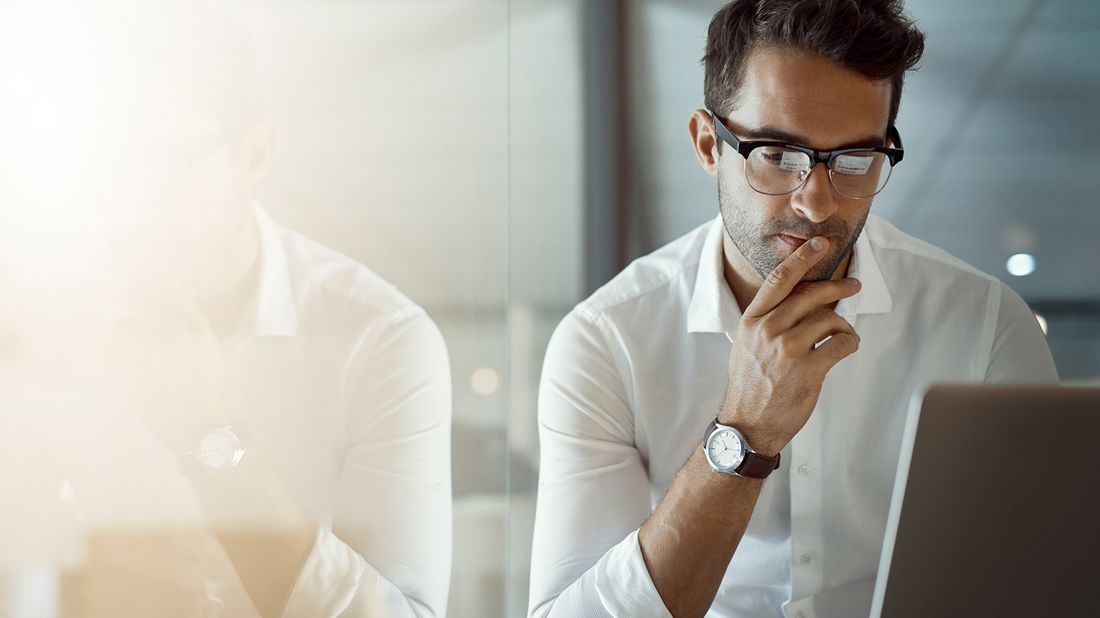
x=328, y=581
x=624, y=585
x=617, y=585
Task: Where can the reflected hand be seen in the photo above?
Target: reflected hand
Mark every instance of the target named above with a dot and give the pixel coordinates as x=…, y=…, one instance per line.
x=173, y=361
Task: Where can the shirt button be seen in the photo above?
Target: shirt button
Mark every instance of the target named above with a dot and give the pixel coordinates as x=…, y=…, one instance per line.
x=804, y=558
x=800, y=614
x=803, y=469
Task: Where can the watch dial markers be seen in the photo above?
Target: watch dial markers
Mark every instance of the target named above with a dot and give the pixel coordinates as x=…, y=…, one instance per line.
x=726, y=450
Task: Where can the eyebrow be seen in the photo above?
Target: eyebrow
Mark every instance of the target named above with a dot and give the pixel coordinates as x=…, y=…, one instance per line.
x=779, y=135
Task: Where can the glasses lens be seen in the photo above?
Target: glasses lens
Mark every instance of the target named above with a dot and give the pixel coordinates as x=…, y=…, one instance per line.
x=775, y=170
x=860, y=174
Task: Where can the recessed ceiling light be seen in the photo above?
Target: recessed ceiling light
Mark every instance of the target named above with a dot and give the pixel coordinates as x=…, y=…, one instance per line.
x=485, y=381
x=1021, y=264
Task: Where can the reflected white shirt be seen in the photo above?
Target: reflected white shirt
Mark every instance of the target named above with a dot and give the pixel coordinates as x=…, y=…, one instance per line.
x=342, y=384
x=345, y=383
x=635, y=373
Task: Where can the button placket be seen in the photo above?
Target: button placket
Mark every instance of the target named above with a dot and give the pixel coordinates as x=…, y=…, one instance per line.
x=807, y=506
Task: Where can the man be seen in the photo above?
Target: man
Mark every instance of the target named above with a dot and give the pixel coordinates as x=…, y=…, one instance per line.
x=262, y=425
x=785, y=338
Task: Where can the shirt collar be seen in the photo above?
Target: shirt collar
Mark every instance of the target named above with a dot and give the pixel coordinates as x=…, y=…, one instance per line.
x=874, y=296
x=713, y=309
x=272, y=312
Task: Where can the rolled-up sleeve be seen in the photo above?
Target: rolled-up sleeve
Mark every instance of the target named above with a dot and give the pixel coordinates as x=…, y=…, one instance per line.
x=388, y=551
x=593, y=490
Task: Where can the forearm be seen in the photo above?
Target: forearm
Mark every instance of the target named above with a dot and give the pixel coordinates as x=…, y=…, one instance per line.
x=689, y=539
x=263, y=530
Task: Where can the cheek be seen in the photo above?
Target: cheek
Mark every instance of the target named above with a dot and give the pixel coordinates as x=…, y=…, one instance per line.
x=213, y=199
x=853, y=212
x=746, y=203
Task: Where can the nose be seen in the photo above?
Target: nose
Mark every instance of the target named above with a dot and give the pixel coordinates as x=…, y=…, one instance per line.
x=815, y=199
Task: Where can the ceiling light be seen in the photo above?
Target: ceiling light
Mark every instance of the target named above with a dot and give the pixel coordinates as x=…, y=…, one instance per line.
x=1021, y=264
x=485, y=381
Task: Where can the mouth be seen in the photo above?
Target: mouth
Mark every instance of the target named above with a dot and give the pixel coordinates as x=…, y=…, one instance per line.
x=794, y=241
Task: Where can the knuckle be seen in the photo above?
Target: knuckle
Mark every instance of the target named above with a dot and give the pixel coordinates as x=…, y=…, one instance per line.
x=849, y=343
x=837, y=289
x=777, y=275
x=787, y=346
x=838, y=322
x=769, y=329
x=804, y=287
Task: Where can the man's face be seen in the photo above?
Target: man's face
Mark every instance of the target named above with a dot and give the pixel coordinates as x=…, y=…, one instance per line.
x=805, y=99
x=188, y=190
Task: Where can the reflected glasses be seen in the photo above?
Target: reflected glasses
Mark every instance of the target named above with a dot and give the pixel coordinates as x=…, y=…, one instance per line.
x=172, y=165
x=779, y=168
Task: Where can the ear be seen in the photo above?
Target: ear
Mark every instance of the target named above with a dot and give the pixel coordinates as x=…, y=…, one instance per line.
x=257, y=151
x=704, y=140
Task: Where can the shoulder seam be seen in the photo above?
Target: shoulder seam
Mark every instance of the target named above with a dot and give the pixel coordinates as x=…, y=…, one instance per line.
x=599, y=308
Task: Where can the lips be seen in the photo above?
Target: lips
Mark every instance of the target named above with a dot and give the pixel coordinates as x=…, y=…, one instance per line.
x=793, y=241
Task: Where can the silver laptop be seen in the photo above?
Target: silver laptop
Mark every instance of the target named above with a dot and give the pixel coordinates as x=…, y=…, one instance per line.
x=996, y=506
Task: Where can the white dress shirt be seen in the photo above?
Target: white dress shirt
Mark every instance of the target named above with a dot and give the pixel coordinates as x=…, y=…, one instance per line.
x=635, y=373
x=339, y=381
x=345, y=383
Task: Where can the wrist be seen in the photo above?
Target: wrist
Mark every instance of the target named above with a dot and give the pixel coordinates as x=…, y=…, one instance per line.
x=760, y=439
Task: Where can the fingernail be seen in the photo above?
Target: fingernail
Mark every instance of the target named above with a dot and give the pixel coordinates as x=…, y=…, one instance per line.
x=817, y=244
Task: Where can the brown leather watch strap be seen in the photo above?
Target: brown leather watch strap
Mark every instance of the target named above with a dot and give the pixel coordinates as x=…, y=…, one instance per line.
x=757, y=466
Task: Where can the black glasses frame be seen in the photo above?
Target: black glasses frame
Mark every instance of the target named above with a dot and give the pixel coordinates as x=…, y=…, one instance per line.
x=745, y=147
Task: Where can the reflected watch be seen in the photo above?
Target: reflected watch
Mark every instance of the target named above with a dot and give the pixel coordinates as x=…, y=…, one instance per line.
x=217, y=450
x=728, y=452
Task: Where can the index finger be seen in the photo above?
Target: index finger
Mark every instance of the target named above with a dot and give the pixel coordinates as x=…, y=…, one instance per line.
x=782, y=279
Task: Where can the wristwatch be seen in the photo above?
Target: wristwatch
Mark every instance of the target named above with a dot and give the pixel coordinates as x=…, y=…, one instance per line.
x=728, y=452
x=217, y=450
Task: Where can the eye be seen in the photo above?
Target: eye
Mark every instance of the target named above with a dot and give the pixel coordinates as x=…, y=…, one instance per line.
x=854, y=164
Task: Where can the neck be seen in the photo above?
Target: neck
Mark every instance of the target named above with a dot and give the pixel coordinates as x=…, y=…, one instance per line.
x=744, y=281
x=223, y=292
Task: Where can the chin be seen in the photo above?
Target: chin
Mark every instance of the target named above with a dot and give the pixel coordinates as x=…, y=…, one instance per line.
x=822, y=271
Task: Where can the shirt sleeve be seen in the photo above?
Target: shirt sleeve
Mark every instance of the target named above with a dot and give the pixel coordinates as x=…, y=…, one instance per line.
x=1019, y=353
x=593, y=489
x=388, y=551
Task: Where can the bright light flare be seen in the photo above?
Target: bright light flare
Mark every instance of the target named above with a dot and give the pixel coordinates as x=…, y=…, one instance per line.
x=1020, y=265
x=42, y=106
x=67, y=121
x=485, y=381
x=1042, y=322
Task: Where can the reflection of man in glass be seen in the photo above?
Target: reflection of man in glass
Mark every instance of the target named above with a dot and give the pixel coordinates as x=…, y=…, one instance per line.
x=783, y=341
x=300, y=405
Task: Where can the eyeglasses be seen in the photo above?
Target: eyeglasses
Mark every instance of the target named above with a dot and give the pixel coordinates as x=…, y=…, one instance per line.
x=173, y=165
x=779, y=168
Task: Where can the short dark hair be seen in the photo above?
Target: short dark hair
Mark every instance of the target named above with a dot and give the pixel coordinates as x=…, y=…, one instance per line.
x=873, y=37
x=205, y=53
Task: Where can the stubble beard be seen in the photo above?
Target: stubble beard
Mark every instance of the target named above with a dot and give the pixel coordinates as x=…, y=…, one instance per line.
x=755, y=240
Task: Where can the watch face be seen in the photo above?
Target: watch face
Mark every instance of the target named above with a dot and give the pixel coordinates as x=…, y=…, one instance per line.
x=219, y=450
x=725, y=449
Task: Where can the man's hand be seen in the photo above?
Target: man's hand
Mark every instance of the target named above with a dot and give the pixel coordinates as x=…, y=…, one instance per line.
x=175, y=364
x=776, y=368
